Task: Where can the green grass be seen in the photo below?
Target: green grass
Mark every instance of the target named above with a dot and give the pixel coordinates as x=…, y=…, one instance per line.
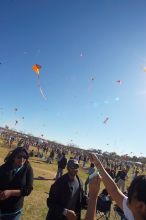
x=35, y=207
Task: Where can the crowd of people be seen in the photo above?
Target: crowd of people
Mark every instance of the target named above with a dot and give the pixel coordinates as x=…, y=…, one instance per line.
x=68, y=195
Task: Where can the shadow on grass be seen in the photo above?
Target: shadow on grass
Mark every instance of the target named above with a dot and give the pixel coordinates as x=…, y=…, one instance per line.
x=42, y=178
x=37, y=161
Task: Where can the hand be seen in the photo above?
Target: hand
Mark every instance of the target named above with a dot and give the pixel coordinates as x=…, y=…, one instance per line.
x=5, y=194
x=94, y=159
x=71, y=215
x=94, y=186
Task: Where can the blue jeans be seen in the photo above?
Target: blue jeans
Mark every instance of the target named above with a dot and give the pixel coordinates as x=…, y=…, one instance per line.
x=11, y=217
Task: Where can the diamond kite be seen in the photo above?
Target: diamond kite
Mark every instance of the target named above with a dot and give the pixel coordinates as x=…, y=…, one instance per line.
x=36, y=68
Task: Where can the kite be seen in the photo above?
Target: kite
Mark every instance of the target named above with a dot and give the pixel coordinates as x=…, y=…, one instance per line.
x=119, y=81
x=81, y=54
x=36, y=68
x=16, y=122
x=15, y=109
x=106, y=119
x=22, y=117
x=92, y=78
x=144, y=69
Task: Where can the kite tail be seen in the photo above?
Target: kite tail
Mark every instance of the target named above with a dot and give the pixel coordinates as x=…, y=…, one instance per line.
x=40, y=88
x=42, y=93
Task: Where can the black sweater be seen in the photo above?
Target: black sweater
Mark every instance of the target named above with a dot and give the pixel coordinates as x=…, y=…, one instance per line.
x=22, y=180
x=59, y=196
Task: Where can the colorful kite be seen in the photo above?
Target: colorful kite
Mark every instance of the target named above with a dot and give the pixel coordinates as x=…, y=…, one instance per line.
x=144, y=69
x=36, y=68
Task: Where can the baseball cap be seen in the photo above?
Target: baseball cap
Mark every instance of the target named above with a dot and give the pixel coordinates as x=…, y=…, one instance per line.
x=72, y=163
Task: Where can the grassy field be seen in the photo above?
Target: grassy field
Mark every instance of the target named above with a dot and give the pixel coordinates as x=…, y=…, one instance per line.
x=35, y=207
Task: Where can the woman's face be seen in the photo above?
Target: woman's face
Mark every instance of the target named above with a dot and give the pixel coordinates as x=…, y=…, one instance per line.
x=19, y=160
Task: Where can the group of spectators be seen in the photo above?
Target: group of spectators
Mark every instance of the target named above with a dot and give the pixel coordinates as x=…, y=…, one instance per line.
x=68, y=195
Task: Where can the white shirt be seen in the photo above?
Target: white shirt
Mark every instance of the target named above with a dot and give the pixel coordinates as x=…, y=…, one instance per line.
x=126, y=210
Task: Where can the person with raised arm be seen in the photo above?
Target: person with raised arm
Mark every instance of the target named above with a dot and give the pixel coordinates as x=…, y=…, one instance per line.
x=94, y=187
x=133, y=206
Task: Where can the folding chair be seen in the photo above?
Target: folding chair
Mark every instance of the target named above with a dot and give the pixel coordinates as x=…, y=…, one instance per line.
x=103, y=208
x=119, y=214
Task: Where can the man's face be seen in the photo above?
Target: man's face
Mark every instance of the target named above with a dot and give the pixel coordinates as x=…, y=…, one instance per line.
x=73, y=171
x=138, y=208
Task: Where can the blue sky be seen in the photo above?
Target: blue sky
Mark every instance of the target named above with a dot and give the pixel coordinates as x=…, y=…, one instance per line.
x=75, y=41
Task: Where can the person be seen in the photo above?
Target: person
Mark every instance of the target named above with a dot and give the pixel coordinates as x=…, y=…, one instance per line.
x=51, y=157
x=11, y=140
x=84, y=160
x=90, y=171
x=62, y=161
x=16, y=182
x=66, y=196
x=133, y=206
x=121, y=178
x=135, y=174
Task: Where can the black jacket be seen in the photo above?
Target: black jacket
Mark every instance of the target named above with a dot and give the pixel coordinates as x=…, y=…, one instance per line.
x=59, y=195
x=62, y=163
x=22, y=180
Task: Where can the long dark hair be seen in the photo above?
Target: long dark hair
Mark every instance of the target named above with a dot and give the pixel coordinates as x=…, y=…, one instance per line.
x=137, y=189
x=19, y=150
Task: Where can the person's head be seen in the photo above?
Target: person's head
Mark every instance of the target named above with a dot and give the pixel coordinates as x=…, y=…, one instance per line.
x=63, y=154
x=104, y=192
x=92, y=165
x=124, y=169
x=18, y=157
x=72, y=167
x=137, y=196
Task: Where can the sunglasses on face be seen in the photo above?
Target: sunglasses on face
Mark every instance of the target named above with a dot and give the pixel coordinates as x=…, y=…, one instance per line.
x=75, y=167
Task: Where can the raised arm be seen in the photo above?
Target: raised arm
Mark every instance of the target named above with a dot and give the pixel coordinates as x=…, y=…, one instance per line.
x=110, y=185
x=94, y=187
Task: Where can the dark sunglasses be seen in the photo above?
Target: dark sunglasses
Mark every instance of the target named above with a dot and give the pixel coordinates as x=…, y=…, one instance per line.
x=21, y=156
x=75, y=167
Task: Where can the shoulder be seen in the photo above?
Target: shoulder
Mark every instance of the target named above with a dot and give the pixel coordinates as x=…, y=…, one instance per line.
x=126, y=210
x=62, y=180
x=80, y=181
x=4, y=167
x=28, y=167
